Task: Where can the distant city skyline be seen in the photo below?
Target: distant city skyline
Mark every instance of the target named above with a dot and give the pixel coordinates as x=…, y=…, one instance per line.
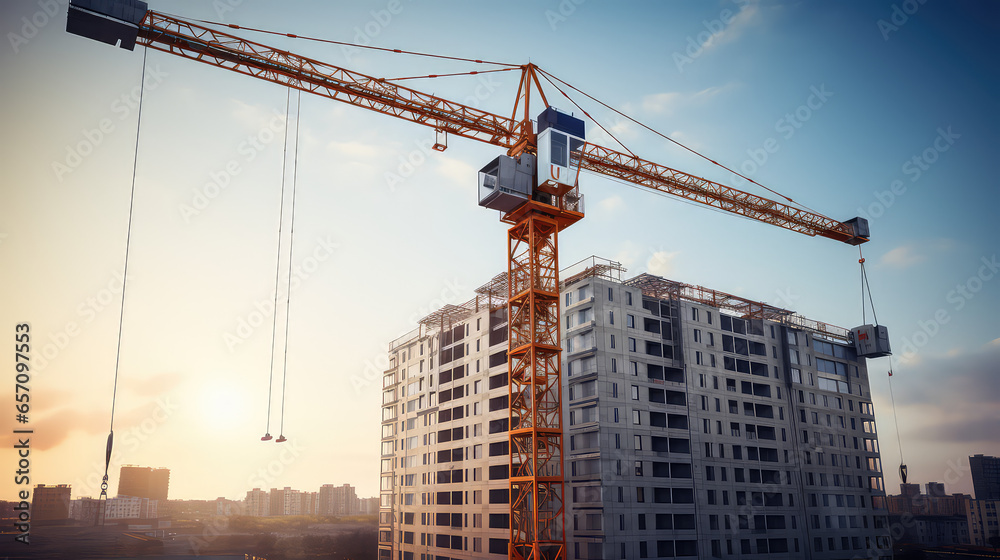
x=843, y=107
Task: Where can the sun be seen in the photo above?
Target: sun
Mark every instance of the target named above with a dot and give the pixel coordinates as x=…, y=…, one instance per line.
x=224, y=407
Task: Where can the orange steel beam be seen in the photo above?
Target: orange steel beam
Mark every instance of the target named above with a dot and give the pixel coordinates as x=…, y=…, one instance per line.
x=535, y=434
x=183, y=38
x=189, y=40
x=691, y=187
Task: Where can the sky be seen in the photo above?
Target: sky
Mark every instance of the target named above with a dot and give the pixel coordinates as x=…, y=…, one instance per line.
x=880, y=109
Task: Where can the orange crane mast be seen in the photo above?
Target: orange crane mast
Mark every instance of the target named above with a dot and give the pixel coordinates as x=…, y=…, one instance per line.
x=534, y=186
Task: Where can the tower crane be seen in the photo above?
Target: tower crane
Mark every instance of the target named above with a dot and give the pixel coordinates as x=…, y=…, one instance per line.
x=534, y=185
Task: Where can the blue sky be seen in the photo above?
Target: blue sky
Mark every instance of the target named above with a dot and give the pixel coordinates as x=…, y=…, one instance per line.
x=894, y=120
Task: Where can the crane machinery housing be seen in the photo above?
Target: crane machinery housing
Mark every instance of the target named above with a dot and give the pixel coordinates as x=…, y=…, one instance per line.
x=535, y=187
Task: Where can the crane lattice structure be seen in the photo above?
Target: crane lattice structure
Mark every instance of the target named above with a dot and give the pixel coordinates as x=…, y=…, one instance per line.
x=536, y=214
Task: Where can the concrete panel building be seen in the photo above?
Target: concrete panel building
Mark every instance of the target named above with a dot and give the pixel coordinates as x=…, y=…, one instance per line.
x=337, y=500
x=697, y=424
x=985, y=476
x=143, y=482
x=49, y=503
x=131, y=507
x=285, y=501
x=983, y=522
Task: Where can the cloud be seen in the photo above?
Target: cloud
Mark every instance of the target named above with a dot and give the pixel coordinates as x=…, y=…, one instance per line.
x=661, y=263
x=745, y=18
x=611, y=203
x=156, y=385
x=53, y=429
x=904, y=256
x=354, y=150
x=460, y=173
x=951, y=398
x=661, y=103
x=255, y=116
x=670, y=102
x=966, y=378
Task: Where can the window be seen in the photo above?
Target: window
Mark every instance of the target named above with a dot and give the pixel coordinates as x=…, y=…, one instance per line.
x=697, y=334
x=694, y=313
x=611, y=314
x=638, y=443
x=611, y=295
x=635, y=392
x=612, y=341
x=631, y=343
x=697, y=358
x=630, y=321
x=636, y=419
x=633, y=368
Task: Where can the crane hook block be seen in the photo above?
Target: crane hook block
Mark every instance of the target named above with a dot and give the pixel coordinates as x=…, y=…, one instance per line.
x=115, y=22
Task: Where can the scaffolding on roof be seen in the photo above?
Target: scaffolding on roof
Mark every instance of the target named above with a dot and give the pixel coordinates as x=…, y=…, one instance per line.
x=447, y=314
x=662, y=288
x=671, y=289
x=494, y=292
x=593, y=266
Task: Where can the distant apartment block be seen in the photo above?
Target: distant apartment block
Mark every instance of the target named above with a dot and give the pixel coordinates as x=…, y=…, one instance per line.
x=984, y=525
x=930, y=519
x=143, y=482
x=368, y=506
x=285, y=501
x=131, y=507
x=258, y=504
x=86, y=510
x=226, y=508
x=50, y=503
x=985, y=476
x=330, y=500
x=933, y=502
x=697, y=424
x=337, y=500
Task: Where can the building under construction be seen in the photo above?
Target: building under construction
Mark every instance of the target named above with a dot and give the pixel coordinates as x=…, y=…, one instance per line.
x=697, y=424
